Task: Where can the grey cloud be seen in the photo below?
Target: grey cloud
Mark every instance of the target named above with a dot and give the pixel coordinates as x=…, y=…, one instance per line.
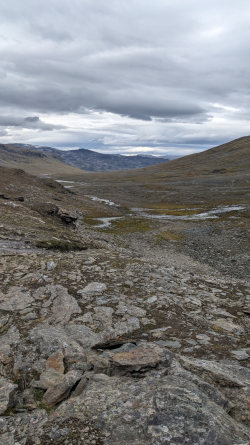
x=32, y=122
x=149, y=61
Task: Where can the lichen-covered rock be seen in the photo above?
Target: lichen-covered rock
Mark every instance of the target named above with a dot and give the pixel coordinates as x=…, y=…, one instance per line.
x=155, y=410
x=7, y=392
x=72, y=338
x=15, y=299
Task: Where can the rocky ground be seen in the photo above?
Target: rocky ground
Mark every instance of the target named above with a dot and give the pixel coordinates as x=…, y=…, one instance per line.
x=127, y=338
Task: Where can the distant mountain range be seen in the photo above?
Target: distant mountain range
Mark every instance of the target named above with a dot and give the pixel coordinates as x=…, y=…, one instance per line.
x=94, y=161
x=21, y=155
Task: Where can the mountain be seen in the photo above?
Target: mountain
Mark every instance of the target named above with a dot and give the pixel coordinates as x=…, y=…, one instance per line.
x=12, y=154
x=94, y=161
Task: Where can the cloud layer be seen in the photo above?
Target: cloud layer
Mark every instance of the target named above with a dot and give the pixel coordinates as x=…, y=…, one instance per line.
x=124, y=76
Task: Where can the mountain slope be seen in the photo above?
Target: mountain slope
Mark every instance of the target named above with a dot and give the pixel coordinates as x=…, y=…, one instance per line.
x=37, y=162
x=219, y=174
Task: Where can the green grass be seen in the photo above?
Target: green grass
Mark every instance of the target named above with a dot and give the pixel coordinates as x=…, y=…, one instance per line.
x=183, y=212
x=129, y=226
x=91, y=221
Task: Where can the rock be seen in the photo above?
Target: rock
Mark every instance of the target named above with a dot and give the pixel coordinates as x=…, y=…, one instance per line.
x=227, y=325
x=8, y=340
x=4, y=321
x=15, y=299
x=92, y=289
x=241, y=354
x=223, y=373
x=60, y=391
x=140, y=358
x=158, y=409
x=103, y=315
x=55, y=361
x=152, y=299
x=7, y=394
x=66, y=216
x=47, y=379
x=175, y=344
x=71, y=338
x=51, y=265
x=54, y=369
x=64, y=306
x=7, y=439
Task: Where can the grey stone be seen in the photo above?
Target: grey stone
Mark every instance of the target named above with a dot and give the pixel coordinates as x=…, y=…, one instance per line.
x=51, y=265
x=224, y=373
x=92, y=289
x=7, y=393
x=169, y=343
x=152, y=299
x=15, y=299
x=155, y=410
x=10, y=339
x=240, y=354
x=64, y=306
x=228, y=325
x=73, y=338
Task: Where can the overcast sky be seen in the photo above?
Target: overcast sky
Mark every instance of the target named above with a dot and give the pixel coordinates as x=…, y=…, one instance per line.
x=127, y=76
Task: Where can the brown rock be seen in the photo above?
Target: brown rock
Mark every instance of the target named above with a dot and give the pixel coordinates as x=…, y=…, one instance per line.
x=61, y=390
x=66, y=217
x=55, y=361
x=137, y=359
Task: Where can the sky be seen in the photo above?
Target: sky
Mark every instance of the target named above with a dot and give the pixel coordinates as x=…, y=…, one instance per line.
x=162, y=77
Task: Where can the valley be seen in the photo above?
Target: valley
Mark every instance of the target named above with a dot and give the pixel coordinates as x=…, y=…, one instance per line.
x=124, y=303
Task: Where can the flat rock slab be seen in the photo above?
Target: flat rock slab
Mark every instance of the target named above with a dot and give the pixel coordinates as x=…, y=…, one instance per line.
x=155, y=410
x=228, y=326
x=73, y=338
x=92, y=289
x=15, y=300
x=225, y=373
x=141, y=358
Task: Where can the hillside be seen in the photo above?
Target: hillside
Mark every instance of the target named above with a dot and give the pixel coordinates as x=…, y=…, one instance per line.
x=220, y=174
x=37, y=162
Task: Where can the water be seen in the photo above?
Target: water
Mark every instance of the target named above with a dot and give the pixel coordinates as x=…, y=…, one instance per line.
x=105, y=201
x=61, y=181
x=210, y=214
x=107, y=222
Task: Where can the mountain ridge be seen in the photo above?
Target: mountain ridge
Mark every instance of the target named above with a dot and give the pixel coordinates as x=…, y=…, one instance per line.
x=82, y=158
